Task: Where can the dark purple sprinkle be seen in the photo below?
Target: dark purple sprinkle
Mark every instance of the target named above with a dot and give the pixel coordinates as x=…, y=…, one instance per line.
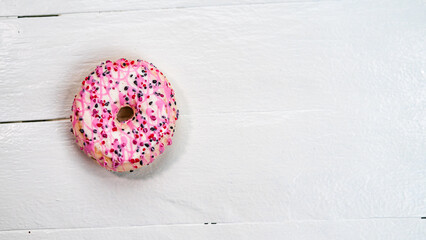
x=81, y=130
x=126, y=87
x=141, y=162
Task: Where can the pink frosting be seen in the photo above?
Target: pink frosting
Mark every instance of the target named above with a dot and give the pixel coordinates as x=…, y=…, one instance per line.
x=123, y=146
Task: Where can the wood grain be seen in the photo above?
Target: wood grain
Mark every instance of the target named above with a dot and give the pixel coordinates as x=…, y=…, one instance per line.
x=28, y=7
x=373, y=229
x=285, y=57
x=300, y=119
x=222, y=168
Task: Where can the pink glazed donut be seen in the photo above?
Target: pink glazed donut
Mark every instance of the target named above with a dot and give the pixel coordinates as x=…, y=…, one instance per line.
x=124, y=115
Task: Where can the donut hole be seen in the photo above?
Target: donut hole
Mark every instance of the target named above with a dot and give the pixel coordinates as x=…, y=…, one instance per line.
x=125, y=113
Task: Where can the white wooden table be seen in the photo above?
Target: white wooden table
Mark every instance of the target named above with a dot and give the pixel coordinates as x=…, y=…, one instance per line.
x=299, y=120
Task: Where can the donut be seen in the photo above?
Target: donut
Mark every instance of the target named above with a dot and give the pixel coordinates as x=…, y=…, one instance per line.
x=124, y=114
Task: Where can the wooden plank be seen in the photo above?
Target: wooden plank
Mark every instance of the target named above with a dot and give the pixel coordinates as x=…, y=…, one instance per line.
x=290, y=113
x=270, y=57
x=242, y=167
x=27, y=7
x=386, y=229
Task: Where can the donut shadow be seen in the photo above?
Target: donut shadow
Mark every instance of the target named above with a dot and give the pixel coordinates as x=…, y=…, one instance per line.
x=171, y=154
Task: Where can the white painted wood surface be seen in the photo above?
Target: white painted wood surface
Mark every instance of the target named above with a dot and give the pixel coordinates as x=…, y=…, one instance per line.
x=13, y=8
x=332, y=229
x=299, y=119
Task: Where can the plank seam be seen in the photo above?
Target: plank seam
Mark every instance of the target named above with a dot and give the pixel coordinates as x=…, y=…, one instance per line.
x=32, y=121
x=160, y=9
x=39, y=16
x=215, y=223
